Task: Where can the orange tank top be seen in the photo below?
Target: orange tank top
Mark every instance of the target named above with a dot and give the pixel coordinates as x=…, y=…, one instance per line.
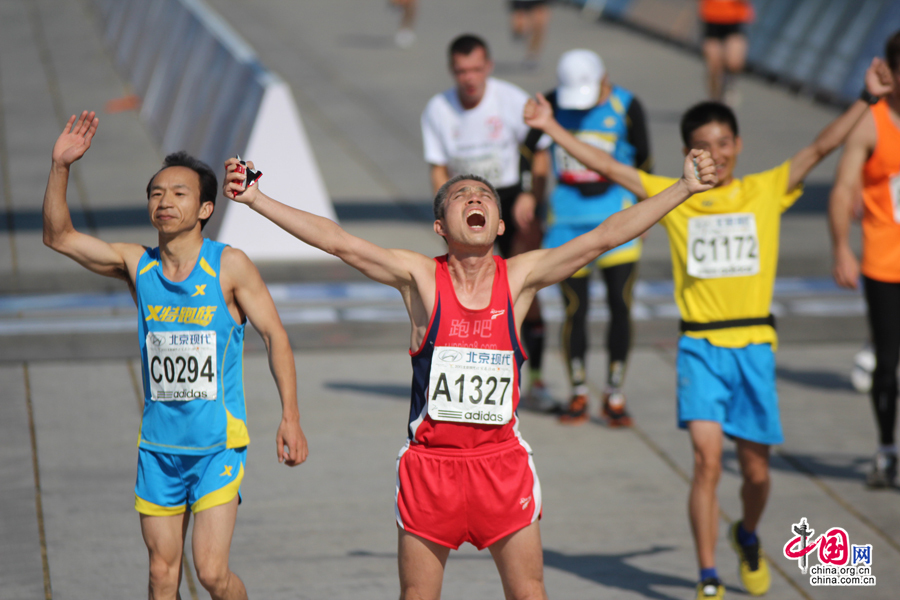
x=726, y=11
x=881, y=197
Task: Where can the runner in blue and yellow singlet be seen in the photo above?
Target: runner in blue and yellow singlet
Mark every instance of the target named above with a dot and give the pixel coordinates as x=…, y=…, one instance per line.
x=724, y=245
x=194, y=297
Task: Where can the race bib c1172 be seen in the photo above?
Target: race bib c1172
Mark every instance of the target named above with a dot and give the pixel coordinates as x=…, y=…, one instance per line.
x=723, y=246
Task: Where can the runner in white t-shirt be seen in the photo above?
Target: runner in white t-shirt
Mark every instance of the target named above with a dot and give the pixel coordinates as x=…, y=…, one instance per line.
x=476, y=127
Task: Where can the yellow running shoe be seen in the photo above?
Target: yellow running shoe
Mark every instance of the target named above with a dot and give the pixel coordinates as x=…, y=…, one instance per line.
x=754, y=569
x=710, y=588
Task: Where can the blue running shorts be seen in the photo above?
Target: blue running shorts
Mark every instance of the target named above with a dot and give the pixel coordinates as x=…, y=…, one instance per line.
x=168, y=483
x=731, y=386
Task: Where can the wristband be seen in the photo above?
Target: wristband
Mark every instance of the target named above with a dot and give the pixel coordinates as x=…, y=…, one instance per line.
x=868, y=98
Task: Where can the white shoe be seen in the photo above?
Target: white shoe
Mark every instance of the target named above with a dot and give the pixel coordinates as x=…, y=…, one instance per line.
x=863, y=366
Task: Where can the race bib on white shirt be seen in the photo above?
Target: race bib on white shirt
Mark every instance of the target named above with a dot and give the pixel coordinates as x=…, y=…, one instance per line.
x=488, y=166
x=471, y=386
x=894, y=185
x=723, y=246
x=181, y=365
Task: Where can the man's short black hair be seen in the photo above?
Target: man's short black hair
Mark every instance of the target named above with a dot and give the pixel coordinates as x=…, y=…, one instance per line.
x=706, y=112
x=466, y=44
x=440, y=199
x=892, y=51
x=209, y=185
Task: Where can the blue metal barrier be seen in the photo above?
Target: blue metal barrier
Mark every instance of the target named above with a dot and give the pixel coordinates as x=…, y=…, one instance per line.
x=820, y=47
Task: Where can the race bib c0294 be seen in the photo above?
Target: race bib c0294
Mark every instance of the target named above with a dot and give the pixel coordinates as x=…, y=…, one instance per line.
x=469, y=385
x=723, y=246
x=181, y=365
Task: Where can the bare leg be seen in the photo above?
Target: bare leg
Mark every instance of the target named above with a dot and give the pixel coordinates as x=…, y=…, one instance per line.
x=421, y=565
x=164, y=537
x=754, y=460
x=410, y=7
x=213, y=529
x=517, y=22
x=703, y=503
x=520, y=561
x=539, y=17
x=735, y=53
x=713, y=53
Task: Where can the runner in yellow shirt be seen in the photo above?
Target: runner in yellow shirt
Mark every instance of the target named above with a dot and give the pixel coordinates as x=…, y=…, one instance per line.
x=724, y=245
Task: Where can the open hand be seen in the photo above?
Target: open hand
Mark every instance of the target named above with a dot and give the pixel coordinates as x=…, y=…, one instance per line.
x=538, y=113
x=75, y=139
x=879, y=79
x=233, y=188
x=699, y=171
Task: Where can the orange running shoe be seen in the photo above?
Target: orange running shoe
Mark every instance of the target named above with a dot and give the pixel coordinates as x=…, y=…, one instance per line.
x=613, y=411
x=577, y=411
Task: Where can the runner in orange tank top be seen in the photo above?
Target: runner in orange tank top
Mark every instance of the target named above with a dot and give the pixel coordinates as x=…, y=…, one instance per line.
x=871, y=162
x=724, y=44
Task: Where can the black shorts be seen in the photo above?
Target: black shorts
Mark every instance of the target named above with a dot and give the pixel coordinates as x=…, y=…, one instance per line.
x=526, y=4
x=720, y=31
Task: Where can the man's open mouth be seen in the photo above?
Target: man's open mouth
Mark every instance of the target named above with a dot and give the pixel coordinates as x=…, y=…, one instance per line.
x=475, y=219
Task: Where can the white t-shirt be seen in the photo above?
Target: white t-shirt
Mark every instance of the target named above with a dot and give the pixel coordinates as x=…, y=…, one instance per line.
x=483, y=140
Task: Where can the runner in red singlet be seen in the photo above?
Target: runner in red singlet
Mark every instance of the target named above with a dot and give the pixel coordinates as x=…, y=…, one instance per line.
x=465, y=474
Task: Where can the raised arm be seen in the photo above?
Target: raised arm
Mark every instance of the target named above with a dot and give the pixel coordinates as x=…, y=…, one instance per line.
x=101, y=257
x=543, y=268
x=539, y=114
x=878, y=83
x=253, y=298
x=840, y=204
x=388, y=266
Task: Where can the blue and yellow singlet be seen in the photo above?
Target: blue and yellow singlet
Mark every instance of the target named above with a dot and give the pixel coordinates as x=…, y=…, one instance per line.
x=192, y=352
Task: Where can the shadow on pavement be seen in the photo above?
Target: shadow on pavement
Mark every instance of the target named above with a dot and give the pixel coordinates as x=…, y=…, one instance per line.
x=390, y=390
x=828, y=466
x=613, y=570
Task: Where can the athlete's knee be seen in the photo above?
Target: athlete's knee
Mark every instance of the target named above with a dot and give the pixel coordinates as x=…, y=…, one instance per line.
x=757, y=476
x=707, y=466
x=533, y=589
x=213, y=576
x=163, y=576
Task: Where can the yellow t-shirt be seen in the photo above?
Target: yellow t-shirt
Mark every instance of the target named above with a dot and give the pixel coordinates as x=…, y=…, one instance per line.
x=724, y=246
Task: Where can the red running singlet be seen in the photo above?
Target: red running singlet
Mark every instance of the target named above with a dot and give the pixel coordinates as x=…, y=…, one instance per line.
x=467, y=368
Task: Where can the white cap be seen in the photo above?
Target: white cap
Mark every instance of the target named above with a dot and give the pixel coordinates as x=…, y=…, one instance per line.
x=579, y=73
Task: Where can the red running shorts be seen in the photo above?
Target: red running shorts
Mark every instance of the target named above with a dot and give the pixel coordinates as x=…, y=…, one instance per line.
x=450, y=496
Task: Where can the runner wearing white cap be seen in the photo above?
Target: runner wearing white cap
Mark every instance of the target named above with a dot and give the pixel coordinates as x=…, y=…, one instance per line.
x=611, y=118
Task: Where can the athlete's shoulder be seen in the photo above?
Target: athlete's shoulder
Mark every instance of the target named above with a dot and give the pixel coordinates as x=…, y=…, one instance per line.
x=233, y=260
x=441, y=104
x=625, y=95
x=506, y=89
